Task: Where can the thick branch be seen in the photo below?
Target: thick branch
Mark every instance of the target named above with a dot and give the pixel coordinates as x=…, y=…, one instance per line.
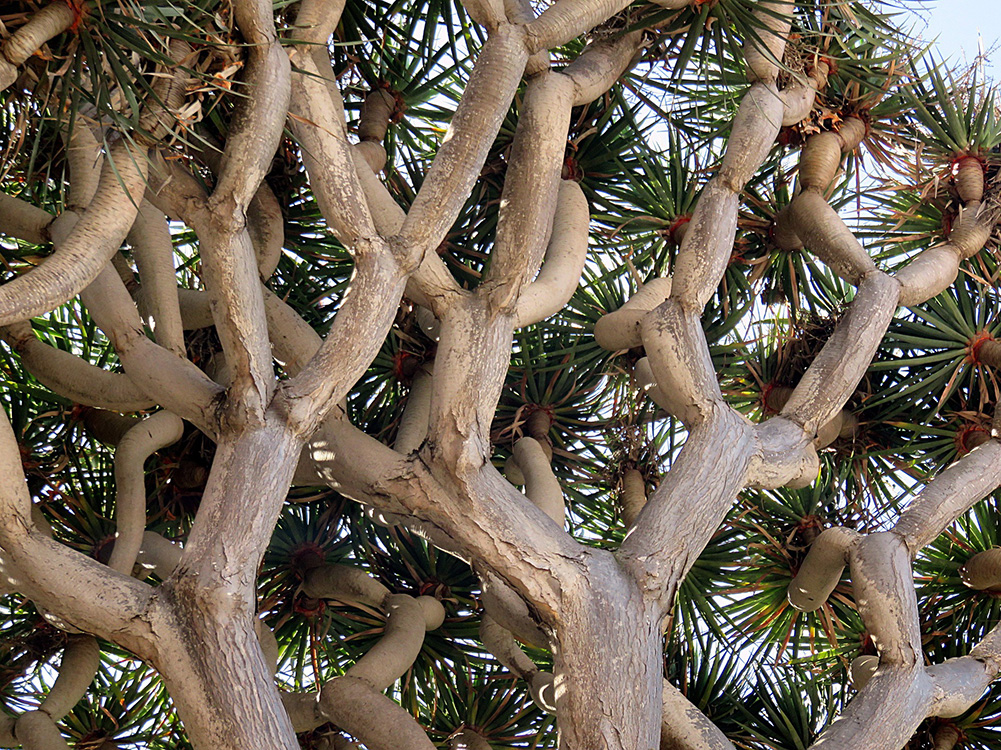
x=60, y=579
x=174, y=382
x=72, y=377
x=950, y=494
x=531, y=184
x=688, y=506
x=80, y=255
x=837, y=370
x=564, y=260
x=471, y=132
x=24, y=221
x=140, y=442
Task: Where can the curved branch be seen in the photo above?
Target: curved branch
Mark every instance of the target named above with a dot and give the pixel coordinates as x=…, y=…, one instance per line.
x=835, y=373
x=379, y=722
x=174, y=382
x=154, y=254
x=407, y=619
x=45, y=24
x=60, y=579
x=950, y=494
x=567, y=19
x=431, y=284
x=36, y=730
x=72, y=377
x=564, y=260
x=601, y=64
x=682, y=514
x=81, y=659
x=471, y=133
x=89, y=245
x=140, y=442
x=531, y=185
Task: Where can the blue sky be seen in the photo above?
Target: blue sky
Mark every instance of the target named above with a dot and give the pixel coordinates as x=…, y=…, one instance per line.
x=957, y=24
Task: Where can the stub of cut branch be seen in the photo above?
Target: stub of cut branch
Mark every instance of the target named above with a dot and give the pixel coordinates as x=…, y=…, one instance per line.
x=269, y=645
x=982, y=572
x=564, y=259
x=821, y=570
x=862, y=669
x=81, y=255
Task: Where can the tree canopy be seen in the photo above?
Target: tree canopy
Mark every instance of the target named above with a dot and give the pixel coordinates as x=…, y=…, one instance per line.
x=496, y=374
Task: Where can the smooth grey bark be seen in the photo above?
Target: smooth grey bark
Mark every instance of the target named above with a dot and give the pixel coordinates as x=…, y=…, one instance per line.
x=580, y=600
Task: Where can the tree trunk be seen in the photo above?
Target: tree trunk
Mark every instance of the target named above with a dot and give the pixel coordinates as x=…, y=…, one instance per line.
x=607, y=653
x=208, y=652
x=211, y=662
